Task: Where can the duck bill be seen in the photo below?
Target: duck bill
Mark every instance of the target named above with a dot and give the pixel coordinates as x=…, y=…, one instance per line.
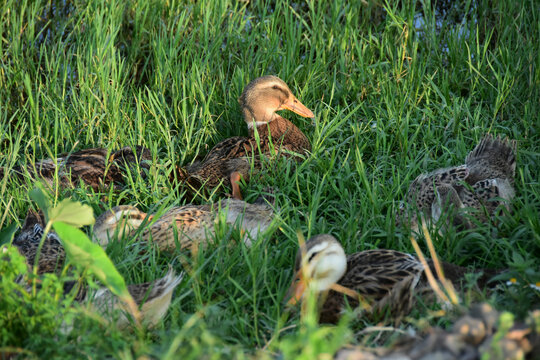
x=297, y=107
x=296, y=290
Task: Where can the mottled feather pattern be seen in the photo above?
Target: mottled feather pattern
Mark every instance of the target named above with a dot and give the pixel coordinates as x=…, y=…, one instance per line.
x=94, y=167
x=486, y=177
x=233, y=147
x=282, y=134
x=259, y=101
x=237, y=153
x=150, y=290
x=188, y=224
x=154, y=296
x=375, y=274
x=387, y=280
x=422, y=189
x=209, y=174
x=52, y=256
x=493, y=157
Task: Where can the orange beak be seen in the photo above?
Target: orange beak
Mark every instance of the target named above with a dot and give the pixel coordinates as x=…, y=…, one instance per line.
x=296, y=106
x=296, y=290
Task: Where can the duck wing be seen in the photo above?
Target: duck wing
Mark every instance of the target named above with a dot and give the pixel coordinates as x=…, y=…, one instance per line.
x=374, y=273
x=386, y=279
x=493, y=157
x=234, y=147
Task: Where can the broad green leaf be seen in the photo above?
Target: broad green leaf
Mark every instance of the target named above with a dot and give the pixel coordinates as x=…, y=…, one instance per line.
x=38, y=194
x=73, y=213
x=6, y=234
x=82, y=252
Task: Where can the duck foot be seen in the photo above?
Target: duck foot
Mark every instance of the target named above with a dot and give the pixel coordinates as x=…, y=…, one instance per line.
x=235, y=180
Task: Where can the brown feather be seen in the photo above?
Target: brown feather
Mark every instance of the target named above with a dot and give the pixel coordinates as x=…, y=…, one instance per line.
x=91, y=166
x=259, y=101
x=486, y=177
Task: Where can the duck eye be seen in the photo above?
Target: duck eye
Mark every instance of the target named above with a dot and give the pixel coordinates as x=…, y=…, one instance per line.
x=275, y=87
x=311, y=257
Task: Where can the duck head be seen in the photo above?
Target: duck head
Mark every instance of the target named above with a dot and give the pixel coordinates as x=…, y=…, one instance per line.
x=264, y=96
x=320, y=263
x=120, y=219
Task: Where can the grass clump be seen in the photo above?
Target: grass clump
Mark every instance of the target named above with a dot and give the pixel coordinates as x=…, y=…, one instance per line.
x=27, y=313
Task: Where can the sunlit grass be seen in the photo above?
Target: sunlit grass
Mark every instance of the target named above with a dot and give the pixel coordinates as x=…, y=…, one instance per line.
x=391, y=100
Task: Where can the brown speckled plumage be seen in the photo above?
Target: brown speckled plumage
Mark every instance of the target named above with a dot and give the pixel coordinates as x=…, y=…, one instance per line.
x=52, y=256
x=387, y=279
x=154, y=296
x=259, y=101
x=189, y=224
x=477, y=186
x=94, y=167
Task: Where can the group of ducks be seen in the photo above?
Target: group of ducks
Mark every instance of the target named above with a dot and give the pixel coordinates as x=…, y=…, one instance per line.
x=461, y=196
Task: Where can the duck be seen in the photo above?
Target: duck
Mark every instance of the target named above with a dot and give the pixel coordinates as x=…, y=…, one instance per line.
x=472, y=191
x=153, y=299
x=52, y=256
x=95, y=167
x=189, y=225
x=381, y=281
x=154, y=296
x=269, y=134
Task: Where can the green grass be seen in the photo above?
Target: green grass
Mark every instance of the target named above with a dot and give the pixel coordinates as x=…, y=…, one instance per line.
x=391, y=101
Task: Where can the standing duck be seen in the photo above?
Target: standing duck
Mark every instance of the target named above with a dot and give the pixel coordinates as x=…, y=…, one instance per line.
x=482, y=184
x=94, y=167
x=230, y=159
x=384, y=280
x=189, y=225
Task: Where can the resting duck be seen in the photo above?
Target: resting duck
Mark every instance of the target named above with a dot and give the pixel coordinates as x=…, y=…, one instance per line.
x=189, y=224
x=230, y=159
x=52, y=256
x=154, y=296
x=94, y=167
x=386, y=280
x=482, y=184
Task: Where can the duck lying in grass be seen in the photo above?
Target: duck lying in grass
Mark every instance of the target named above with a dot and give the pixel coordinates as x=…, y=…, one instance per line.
x=189, y=225
x=380, y=280
x=52, y=255
x=230, y=159
x=94, y=167
x=483, y=184
x=154, y=296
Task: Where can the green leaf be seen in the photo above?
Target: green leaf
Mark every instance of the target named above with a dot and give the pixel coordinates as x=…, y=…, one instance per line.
x=6, y=234
x=84, y=253
x=38, y=194
x=73, y=213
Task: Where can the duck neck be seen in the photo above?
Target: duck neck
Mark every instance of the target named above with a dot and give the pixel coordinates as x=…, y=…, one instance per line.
x=257, y=117
x=282, y=131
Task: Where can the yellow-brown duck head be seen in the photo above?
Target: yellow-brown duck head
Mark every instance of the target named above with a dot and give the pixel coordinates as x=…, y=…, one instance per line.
x=264, y=96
